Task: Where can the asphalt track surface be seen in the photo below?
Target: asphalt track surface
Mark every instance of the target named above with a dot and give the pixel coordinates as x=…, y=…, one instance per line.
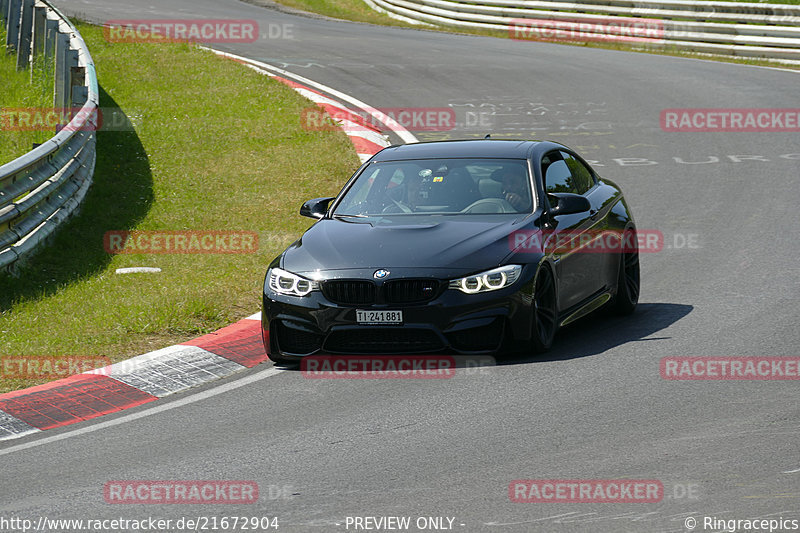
x=595, y=408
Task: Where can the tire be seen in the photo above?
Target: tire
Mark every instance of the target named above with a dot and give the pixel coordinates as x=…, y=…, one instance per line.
x=545, y=313
x=628, y=278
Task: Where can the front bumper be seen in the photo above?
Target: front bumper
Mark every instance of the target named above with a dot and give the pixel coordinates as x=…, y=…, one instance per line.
x=294, y=327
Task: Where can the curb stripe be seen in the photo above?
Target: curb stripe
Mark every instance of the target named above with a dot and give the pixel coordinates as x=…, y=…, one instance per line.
x=304, y=87
x=270, y=70
x=173, y=369
x=240, y=342
x=71, y=400
x=149, y=410
x=347, y=116
x=363, y=146
x=12, y=428
x=366, y=138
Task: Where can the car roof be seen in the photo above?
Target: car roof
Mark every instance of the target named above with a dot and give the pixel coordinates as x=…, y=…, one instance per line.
x=488, y=148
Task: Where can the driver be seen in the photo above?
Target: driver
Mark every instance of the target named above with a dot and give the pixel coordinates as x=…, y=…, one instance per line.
x=515, y=190
x=413, y=190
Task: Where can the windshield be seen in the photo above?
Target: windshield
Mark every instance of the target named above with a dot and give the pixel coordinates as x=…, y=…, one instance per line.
x=440, y=186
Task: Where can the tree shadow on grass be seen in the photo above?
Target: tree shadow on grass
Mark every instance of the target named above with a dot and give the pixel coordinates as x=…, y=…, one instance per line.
x=120, y=196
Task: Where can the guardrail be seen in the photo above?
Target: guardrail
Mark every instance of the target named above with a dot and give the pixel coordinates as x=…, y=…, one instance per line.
x=41, y=189
x=750, y=30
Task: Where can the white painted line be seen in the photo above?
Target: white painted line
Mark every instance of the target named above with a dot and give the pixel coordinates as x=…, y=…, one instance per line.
x=355, y=130
x=138, y=270
x=179, y=367
x=158, y=407
x=792, y=471
x=351, y=128
x=159, y=373
x=390, y=123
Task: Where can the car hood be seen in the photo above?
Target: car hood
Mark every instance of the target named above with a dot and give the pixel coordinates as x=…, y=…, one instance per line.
x=467, y=242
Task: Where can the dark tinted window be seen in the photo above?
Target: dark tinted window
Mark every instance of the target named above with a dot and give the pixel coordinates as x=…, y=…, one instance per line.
x=565, y=173
x=581, y=176
x=557, y=175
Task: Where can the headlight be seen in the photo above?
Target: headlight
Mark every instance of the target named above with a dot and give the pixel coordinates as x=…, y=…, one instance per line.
x=284, y=282
x=491, y=280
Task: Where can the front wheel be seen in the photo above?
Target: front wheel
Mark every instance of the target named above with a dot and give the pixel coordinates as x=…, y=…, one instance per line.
x=545, y=316
x=628, y=279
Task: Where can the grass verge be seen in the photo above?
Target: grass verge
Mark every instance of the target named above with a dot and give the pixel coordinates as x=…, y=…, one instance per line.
x=355, y=10
x=215, y=146
x=21, y=90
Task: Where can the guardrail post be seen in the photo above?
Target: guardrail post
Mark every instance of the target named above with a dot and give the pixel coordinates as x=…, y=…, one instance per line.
x=60, y=90
x=39, y=21
x=43, y=188
x=12, y=30
x=4, y=11
x=50, y=30
x=79, y=93
x=71, y=65
x=25, y=32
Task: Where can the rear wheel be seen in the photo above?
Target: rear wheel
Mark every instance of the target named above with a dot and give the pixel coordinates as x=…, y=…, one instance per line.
x=628, y=279
x=545, y=316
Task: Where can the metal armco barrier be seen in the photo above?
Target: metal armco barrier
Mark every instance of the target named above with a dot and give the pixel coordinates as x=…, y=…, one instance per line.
x=748, y=30
x=41, y=189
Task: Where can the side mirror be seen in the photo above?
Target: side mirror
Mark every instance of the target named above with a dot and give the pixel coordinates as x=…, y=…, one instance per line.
x=568, y=203
x=316, y=208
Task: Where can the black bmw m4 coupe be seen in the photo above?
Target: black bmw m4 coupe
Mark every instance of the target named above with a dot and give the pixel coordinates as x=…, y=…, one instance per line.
x=466, y=247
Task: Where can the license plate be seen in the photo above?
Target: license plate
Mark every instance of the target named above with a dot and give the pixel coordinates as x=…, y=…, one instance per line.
x=379, y=317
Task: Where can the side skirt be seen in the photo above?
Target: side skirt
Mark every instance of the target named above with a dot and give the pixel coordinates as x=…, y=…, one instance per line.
x=595, y=303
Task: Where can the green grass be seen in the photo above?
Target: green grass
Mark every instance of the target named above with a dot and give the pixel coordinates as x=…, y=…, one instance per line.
x=359, y=11
x=216, y=146
x=21, y=90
